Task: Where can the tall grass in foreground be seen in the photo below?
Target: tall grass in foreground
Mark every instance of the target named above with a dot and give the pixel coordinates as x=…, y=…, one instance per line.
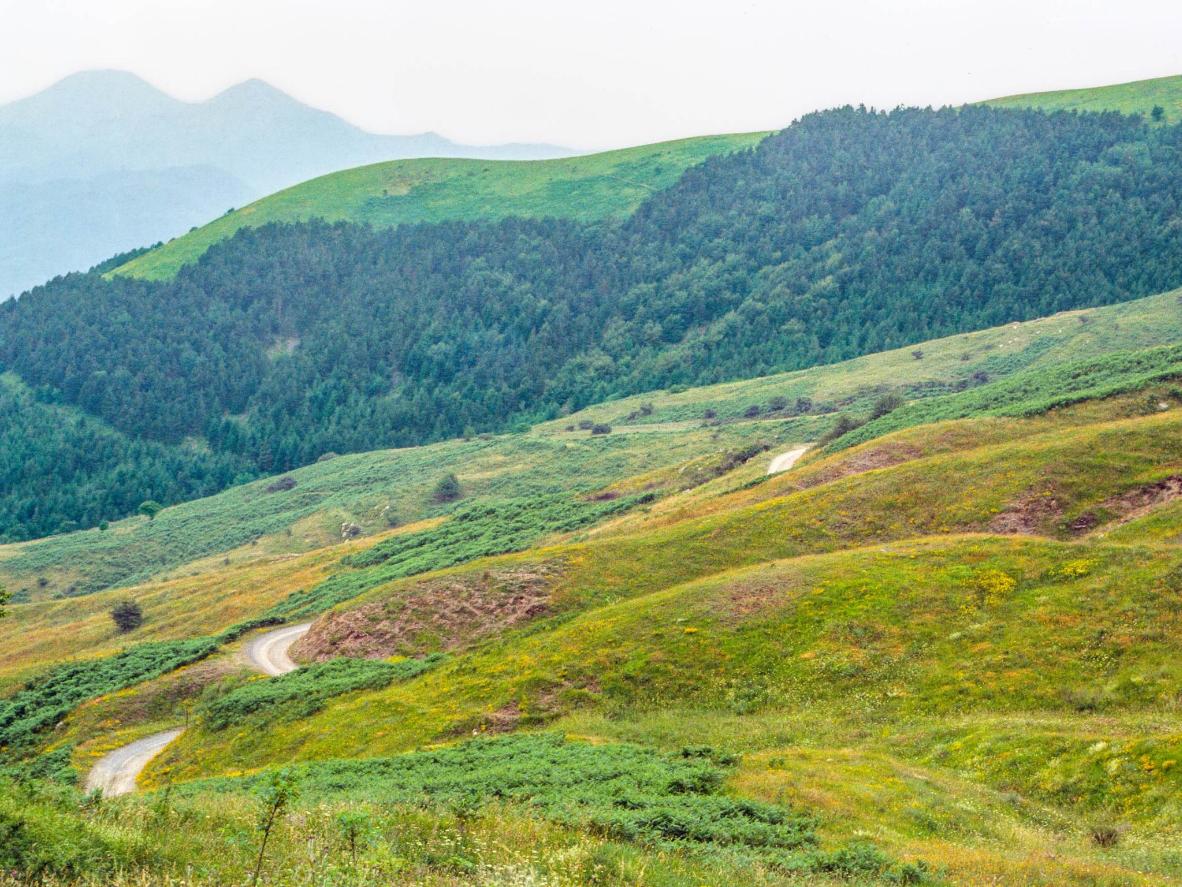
x=611, y=814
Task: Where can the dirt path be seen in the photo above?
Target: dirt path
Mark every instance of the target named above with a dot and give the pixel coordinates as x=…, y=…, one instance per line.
x=268, y=652
x=784, y=461
x=115, y=774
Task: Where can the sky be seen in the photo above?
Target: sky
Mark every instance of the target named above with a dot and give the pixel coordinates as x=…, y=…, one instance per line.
x=594, y=73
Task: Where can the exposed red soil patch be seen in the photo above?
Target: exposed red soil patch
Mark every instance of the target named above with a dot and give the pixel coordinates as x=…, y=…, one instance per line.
x=503, y=720
x=1132, y=504
x=438, y=614
x=540, y=707
x=749, y=599
x=868, y=460
x=602, y=496
x=1034, y=512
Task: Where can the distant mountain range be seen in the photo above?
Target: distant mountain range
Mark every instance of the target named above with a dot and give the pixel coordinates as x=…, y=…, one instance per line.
x=103, y=162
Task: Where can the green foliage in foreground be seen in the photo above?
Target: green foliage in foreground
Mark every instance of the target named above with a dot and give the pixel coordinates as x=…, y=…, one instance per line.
x=1032, y=391
x=621, y=791
x=52, y=837
x=305, y=691
x=43, y=834
x=26, y=715
x=475, y=530
x=55, y=766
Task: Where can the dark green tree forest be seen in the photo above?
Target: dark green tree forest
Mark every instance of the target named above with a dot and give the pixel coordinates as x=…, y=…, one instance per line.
x=849, y=232
x=61, y=469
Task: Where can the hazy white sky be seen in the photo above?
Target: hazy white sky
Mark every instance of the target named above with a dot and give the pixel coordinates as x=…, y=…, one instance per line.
x=595, y=73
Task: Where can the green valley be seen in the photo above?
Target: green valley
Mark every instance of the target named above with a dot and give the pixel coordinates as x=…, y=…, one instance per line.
x=783, y=509
x=925, y=654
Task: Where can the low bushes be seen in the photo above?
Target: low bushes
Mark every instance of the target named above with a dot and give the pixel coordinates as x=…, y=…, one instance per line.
x=47, y=699
x=618, y=791
x=475, y=530
x=304, y=692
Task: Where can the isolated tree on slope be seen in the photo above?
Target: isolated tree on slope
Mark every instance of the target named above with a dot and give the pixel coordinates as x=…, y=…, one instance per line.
x=127, y=616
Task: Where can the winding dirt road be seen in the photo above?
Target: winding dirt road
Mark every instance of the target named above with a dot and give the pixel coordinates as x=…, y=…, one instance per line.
x=784, y=461
x=268, y=652
x=116, y=772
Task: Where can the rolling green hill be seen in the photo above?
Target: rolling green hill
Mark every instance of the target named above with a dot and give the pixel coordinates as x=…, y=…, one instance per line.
x=589, y=187
x=941, y=647
x=1138, y=97
x=929, y=657
x=288, y=341
x=953, y=377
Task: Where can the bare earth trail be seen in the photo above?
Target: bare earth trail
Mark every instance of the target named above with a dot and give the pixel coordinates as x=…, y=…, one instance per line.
x=116, y=772
x=268, y=652
x=784, y=461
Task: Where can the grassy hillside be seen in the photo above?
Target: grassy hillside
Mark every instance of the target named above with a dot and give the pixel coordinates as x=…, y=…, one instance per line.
x=942, y=648
x=1030, y=675
x=1138, y=97
x=204, y=566
x=290, y=341
x=1028, y=484
x=376, y=490
x=593, y=186
x=922, y=371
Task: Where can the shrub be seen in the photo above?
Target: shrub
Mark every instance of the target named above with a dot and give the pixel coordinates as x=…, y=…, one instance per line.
x=150, y=509
x=47, y=699
x=277, y=794
x=127, y=616
x=279, y=485
x=1106, y=834
x=843, y=426
x=447, y=489
x=303, y=692
x=601, y=429
x=888, y=403
x=752, y=411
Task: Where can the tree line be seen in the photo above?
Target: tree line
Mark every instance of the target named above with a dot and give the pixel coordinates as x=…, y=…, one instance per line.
x=849, y=232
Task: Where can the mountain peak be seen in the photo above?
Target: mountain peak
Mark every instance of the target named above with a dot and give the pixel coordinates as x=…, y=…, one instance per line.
x=103, y=86
x=82, y=99
x=103, y=77
x=252, y=90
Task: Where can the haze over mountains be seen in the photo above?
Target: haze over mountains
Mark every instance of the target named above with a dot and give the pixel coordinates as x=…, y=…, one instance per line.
x=103, y=162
